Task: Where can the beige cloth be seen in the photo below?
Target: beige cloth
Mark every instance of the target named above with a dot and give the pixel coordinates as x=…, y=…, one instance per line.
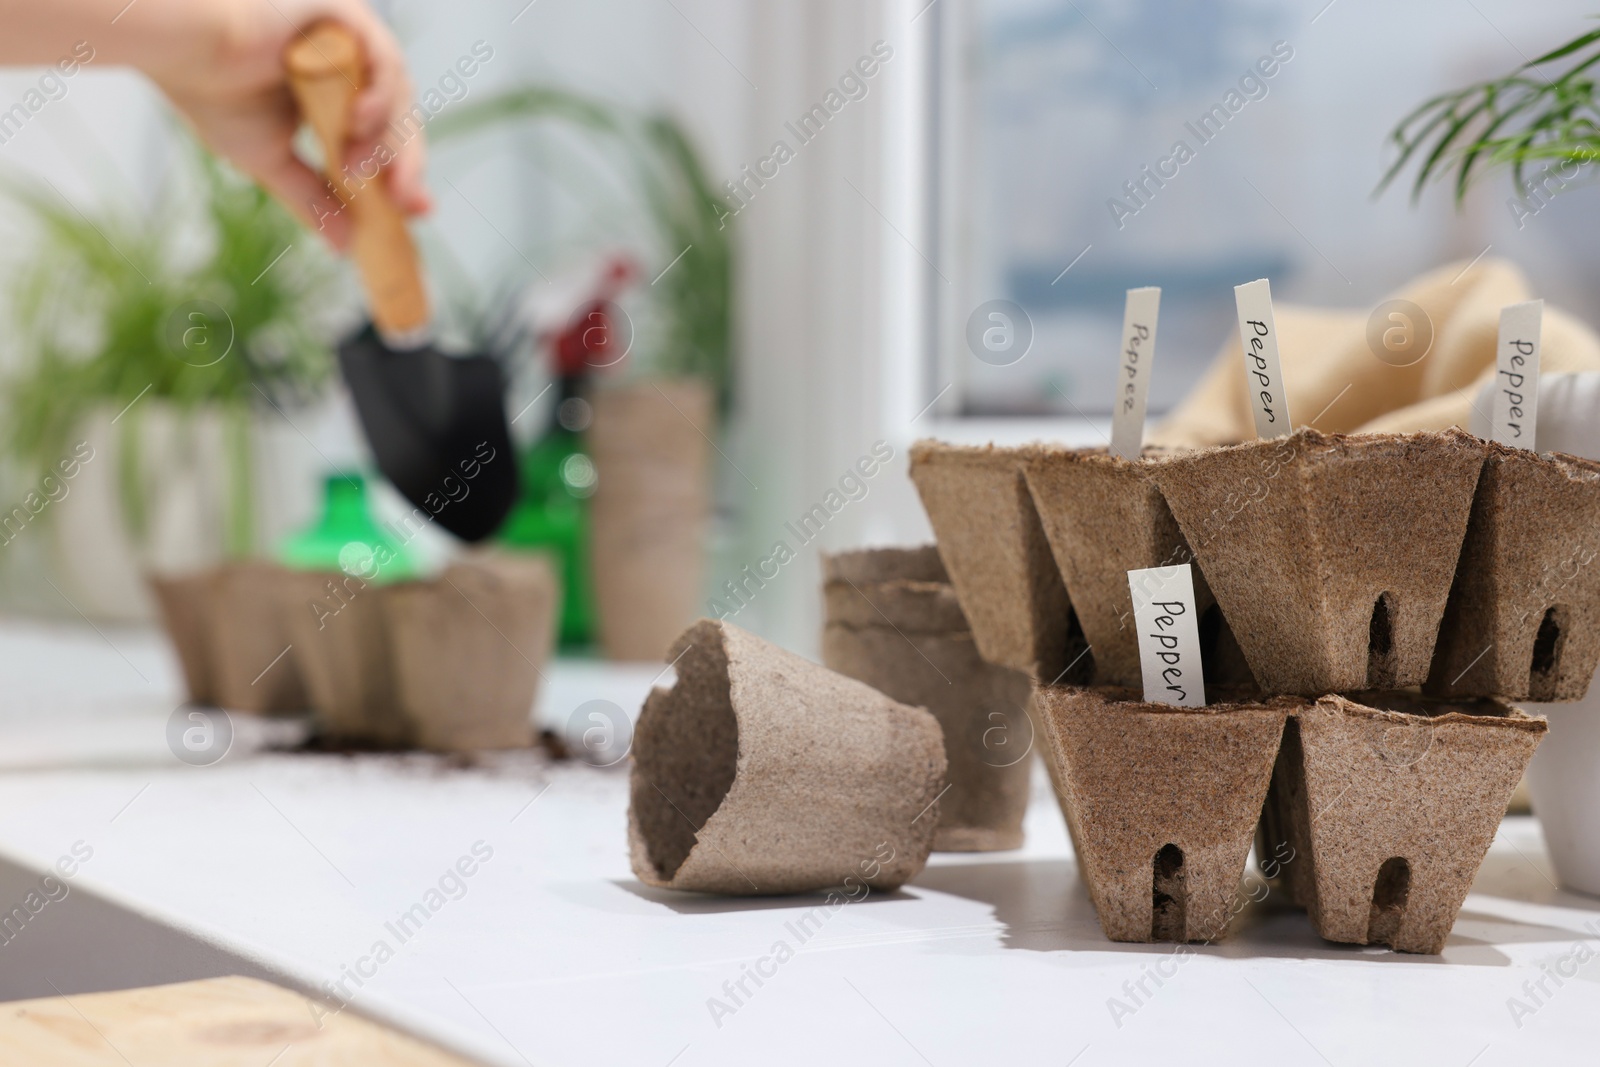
x=1325, y=354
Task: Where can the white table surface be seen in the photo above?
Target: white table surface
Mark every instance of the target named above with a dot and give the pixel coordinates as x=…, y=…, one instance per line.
x=555, y=954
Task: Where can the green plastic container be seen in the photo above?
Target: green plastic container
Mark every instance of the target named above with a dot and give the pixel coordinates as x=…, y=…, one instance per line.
x=552, y=513
x=347, y=538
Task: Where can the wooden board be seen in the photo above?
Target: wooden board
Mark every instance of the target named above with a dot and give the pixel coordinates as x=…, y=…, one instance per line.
x=218, y=1022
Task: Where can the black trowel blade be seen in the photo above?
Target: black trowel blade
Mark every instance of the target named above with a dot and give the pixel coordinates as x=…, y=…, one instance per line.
x=437, y=427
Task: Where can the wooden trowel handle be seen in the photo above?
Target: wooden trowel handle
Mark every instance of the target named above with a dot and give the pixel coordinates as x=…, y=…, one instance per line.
x=327, y=68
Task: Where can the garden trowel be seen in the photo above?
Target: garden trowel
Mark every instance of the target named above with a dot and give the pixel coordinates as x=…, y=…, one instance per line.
x=436, y=422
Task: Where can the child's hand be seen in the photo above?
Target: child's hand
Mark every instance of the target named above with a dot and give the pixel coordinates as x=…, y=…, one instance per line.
x=232, y=87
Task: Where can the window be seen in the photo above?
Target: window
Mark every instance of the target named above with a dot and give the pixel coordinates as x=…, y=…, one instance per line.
x=1061, y=182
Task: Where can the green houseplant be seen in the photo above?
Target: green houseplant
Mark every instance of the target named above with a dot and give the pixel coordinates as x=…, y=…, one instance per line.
x=214, y=300
x=1545, y=110
x=633, y=180
x=664, y=175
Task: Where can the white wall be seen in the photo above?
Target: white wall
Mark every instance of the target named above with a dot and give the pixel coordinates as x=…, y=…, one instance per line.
x=828, y=330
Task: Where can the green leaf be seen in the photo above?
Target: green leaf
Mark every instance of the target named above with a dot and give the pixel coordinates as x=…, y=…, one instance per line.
x=1508, y=121
x=1565, y=50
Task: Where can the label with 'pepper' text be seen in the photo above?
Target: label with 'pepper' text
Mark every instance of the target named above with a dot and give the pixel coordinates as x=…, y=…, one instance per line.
x=1133, y=371
x=1259, y=335
x=1514, y=417
x=1169, y=635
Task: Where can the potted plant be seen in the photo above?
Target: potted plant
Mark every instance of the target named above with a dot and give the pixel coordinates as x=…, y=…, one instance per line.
x=663, y=173
x=646, y=499
x=161, y=338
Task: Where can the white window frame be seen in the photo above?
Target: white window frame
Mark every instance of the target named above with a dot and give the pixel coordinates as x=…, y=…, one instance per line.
x=946, y=145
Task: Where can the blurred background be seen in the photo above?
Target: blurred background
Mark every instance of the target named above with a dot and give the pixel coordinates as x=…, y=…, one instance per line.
x=714, y=203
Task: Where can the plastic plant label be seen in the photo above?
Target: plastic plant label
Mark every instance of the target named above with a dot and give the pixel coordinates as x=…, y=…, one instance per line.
x=1133, y=370
x=1259, y=335
x=1514, y=420
x=1169, y=635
